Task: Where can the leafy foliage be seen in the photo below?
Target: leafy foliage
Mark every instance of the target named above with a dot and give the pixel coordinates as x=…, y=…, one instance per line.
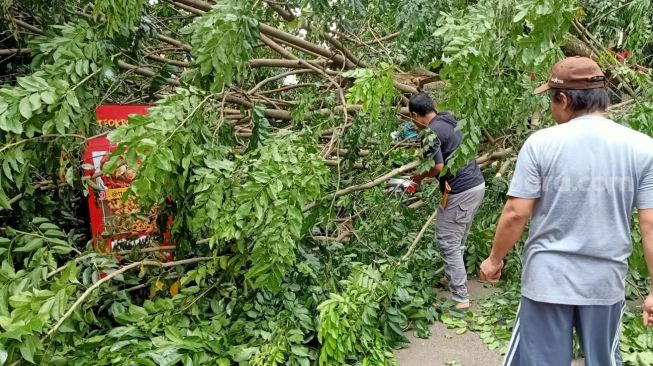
x=374, y=90
x=494, y=44
x=119, y=15
x=636, y=341
x=223, y=41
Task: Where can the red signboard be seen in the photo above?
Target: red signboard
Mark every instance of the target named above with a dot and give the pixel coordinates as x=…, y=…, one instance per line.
x=118, y=224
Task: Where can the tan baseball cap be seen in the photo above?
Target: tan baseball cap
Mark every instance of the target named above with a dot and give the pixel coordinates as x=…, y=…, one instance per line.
x=574, y=73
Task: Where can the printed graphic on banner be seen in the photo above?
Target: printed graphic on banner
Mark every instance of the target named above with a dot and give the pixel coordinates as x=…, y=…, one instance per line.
x=118, y=222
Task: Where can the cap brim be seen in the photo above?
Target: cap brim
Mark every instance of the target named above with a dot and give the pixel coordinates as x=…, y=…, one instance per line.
x=541, y=89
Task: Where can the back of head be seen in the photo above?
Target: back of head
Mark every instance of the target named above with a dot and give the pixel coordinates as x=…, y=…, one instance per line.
x=421, y=103
x=577, y=86
x=583, y=100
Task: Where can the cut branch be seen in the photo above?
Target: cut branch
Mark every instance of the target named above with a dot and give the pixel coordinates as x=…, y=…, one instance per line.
x=419, y=236
x=368, y=185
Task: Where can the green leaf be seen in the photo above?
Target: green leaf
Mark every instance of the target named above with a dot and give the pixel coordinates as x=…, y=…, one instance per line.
x=244, y=354
x=48, y=226
x=28, y=347
x=52, y=233
x=47, y=97
x=60, y=304
x=3, y=355
x=7, y=169
x=25, y=108
x=39, y=220
x=35, y=101
x=31, y=245
x=4, y=200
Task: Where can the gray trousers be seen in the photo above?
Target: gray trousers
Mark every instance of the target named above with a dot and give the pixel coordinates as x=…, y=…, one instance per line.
x=451, y=230
x=542, y=335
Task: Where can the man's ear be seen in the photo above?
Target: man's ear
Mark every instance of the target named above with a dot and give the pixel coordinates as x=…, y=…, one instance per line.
x=565, y=100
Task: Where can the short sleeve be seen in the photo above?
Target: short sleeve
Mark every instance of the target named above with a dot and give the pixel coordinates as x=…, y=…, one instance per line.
x=645, y=190
x=434, y=149
x=437, y=152
x=527, y=180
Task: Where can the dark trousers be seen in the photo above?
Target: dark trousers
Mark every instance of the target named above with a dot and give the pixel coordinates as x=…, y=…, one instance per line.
x=543, y=332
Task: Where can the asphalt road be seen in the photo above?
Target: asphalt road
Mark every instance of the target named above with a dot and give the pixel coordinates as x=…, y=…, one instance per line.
x=446, y=348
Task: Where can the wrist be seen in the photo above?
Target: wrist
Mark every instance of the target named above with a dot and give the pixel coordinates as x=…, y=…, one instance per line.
x=495, y=259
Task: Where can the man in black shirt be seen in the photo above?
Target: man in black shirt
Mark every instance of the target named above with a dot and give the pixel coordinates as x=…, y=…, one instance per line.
x=462, y=193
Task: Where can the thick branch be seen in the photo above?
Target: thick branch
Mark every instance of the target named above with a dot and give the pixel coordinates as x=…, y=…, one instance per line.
x=145, y=71
x=284, y=115
x=589, y=37
x=287, y=64
x=190, y=9
x=282, y=11
x=286, y=88
x=168, y=61
x=290, y=39
x=345, y=51
x=289, y=17
x=28, y=26
x=174, y=42
x=13, y=51
x=197, y=4
x=303, y=50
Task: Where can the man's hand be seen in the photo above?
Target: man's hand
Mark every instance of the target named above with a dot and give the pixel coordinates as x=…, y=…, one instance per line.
x=647, y=311
x=491, y=270
x=417, y=179
x=511, y=225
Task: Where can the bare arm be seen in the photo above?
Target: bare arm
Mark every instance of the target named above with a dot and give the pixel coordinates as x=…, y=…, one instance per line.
x=511, y=225
x=433, y=172
x=646, y=227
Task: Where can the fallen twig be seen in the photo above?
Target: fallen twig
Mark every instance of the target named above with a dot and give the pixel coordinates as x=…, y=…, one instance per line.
x=110, y=276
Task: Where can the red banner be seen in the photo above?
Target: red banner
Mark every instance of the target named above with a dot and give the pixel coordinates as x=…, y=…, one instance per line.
x=118, y=224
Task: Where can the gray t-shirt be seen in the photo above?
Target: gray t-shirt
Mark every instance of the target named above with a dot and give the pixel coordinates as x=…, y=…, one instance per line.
x=587, y=176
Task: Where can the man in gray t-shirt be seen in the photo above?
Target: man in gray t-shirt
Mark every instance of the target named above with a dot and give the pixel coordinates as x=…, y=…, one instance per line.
x=579, y=184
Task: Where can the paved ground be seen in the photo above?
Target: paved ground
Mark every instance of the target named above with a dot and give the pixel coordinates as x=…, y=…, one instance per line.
x=446, y=348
